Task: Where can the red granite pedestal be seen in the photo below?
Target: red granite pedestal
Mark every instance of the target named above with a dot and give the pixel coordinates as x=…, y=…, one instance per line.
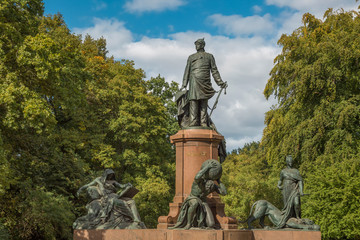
x=193, y=147
x=159, y=234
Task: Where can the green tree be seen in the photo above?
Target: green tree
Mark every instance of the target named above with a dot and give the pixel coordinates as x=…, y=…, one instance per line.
x=248, y=178
x=131, y=118
x=40, y=96
x=166, y=92
x=67, y=112
x=316, y=80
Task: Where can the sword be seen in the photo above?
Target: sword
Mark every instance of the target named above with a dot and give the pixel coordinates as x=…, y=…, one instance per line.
x=217, y=99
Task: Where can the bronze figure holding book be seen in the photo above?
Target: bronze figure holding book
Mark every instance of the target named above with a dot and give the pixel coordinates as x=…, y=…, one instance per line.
x=108, y=207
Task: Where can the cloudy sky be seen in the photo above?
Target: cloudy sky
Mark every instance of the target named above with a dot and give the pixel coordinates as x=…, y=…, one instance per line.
x=159, y=35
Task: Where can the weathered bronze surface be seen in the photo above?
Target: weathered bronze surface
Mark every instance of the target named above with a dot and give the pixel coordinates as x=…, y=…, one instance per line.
x=291, y=184
x=195, y=212
x=192, y=104
x=107, y=208
x=264, y=208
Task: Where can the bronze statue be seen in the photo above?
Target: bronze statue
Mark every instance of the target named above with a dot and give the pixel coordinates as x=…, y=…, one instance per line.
x=195, y=212
x=184, y=121
x=197, y=76
x=109, y=209
x=93, y=219
x=292, y=188
x=264, y=208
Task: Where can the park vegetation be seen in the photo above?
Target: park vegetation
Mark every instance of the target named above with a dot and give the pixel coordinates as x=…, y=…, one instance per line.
x=316, y=80
x=68, y=110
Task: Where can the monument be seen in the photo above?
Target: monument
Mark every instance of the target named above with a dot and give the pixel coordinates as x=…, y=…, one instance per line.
x=196, y=211
x=198, y=139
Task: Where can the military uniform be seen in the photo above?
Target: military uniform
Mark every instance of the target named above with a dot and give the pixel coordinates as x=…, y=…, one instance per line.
x=197, y=75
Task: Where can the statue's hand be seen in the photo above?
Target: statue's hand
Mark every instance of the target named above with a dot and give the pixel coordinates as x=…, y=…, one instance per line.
x=78, y=193
x=129, y=185
x=280, y=187
x=224, y=85
x=212, y=164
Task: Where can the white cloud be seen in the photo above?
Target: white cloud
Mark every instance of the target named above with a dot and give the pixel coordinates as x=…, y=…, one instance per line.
x=243, y=62
x=290, y=22
x=139, y=6
x=112, y=30
x=318, y=6
x=99, y=5
x=291, y=19
x=257, y=8
x=238, y=25
x=232, y=143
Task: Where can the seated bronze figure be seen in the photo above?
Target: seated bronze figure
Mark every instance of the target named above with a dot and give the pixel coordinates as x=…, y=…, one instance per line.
x=107, y=208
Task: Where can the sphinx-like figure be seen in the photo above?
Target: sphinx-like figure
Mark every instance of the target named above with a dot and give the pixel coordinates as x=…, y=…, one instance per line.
x=263, y=208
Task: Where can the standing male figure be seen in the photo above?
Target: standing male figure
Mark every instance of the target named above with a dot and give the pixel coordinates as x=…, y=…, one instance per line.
x=197, y=75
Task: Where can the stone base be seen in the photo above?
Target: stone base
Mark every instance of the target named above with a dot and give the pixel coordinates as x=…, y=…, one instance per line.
x=157, y=234
x=286, y=234
x=193, y=147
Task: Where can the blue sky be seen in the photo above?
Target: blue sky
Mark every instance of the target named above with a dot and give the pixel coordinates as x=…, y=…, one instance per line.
x=177, y=16
x=159, y=35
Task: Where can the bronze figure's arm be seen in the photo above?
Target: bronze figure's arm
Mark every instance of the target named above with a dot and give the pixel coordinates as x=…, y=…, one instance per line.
x=280, y=180
x=215, y=73
x=204, y=170
x=186, y=74
x=119, y=185
x=94, y=182
x=301, y=187
x=221, y=189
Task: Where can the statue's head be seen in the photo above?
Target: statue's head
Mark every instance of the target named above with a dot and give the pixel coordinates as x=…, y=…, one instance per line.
x=108, y=174
x=307, y=221
x=199, y=44
x=311, y=224
x=215, y=172
x=209, y=185
x=289, y=160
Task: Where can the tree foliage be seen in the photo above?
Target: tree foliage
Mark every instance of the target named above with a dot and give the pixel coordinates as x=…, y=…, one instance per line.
x=67, y=112
x=316, y=80
x=248, y=178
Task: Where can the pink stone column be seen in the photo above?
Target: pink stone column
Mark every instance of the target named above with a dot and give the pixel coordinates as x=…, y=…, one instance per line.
x=193, y=147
